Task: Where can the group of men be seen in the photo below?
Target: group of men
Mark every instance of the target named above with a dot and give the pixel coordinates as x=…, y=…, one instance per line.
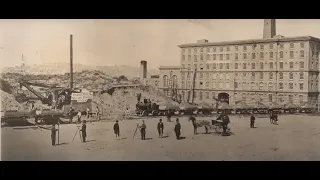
x=79, y=114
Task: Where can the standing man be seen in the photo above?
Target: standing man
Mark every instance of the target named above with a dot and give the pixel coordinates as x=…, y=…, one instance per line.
x=160, y=128
x=225, y=122
x=252, y=120
x=88, y=113
x=53, y=134
x=70, y=113
x=177, y=129
x=79, y=116
x=116, y=129
x=143, y=128
x=97, y=113
x=84, y=131
x=194, y=123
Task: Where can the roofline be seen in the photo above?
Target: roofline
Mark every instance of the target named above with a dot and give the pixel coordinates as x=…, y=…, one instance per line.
x=169, y=67
x=251, y=41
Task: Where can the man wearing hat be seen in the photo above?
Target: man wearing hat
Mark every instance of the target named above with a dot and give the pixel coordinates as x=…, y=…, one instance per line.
x=160, y=128
x=53, y=134
x=143, y=128
x=84, y=131
x=116, y=129
x=252, y=120
x=177, y=129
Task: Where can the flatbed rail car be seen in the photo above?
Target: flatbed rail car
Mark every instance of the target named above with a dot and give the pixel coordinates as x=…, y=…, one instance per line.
x=290, y=108
x=188, y=109
x=48, y=116
x=205, y=109
x=224, y=107
x=307, y=108
x=260, y=108
x=14, y=117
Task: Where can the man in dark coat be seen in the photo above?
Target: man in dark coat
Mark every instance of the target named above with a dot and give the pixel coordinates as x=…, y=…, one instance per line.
x=53, y=134
x=252, y=120
x=194, y=123
x=177, y=129
x=116, y=129
x=160, y=128
x=225, y=122
x=70, y=113
x=143, y=128
x=84, y=131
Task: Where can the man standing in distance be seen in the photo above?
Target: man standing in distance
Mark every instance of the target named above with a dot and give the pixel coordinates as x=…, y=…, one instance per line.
x=143, y=128
x=177, y=129
x=160, y=128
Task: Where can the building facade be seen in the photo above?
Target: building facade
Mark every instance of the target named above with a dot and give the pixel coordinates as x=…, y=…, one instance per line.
x=273, y=69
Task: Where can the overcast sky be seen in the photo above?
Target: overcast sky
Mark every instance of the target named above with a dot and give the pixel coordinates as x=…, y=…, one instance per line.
x=119, y=42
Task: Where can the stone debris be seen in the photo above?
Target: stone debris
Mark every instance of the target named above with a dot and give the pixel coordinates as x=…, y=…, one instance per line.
x=8, y=102
x=116, y=105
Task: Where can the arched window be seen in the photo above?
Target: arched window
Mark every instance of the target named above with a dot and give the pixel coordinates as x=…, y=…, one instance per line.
x=301, y=64
x=270, y=86
x=175, y=80
x=280, y=75
x=165, y=81
x=291, y=75
x=281, y=86
x=302, y=54
x=261, y=86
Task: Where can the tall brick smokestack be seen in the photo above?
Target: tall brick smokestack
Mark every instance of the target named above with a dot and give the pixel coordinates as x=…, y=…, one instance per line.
x=71, y=61
x=143, y=69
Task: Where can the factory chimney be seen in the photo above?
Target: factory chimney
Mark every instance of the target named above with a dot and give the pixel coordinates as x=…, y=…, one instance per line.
x=71, y=61
x=143, y=69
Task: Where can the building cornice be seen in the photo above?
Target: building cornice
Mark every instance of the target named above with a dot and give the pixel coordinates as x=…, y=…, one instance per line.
x=251, y=41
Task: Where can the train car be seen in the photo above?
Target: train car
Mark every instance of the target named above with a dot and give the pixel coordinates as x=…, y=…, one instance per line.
x=146, y=108
x=224, y=107
x=48, y=116
x=306, y=108
x=188, y=109
x=275, y=107
x=290, y=108
x=169, y=108
x=205, y=108
x=260, y=108
x=14, y=117
x=242, y=108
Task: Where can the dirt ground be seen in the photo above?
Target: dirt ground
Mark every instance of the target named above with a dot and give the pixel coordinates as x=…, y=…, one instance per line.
x=296, y=137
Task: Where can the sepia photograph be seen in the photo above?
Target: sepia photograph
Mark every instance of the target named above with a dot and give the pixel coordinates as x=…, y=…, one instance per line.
x=160, y=89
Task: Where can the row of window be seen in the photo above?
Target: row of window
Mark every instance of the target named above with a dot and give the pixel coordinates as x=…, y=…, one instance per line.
x=244, y=97
x=245, y=47
x=244, y=75
x=244, y=55
x=226, y=85
x=244, y=65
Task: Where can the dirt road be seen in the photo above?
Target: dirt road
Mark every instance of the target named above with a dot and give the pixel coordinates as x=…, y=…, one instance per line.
x=296, y=138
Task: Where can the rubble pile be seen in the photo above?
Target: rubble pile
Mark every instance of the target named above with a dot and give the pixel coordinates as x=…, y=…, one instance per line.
x=8, y=102
x=123, y=99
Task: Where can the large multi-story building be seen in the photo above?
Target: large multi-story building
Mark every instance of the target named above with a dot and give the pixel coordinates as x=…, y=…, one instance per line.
x=272, y=69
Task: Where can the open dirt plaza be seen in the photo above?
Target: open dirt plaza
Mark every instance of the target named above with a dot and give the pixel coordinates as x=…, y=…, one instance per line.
x=296, y=137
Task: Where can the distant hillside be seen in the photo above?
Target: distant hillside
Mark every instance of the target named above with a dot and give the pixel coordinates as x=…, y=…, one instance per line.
x=61, y=68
